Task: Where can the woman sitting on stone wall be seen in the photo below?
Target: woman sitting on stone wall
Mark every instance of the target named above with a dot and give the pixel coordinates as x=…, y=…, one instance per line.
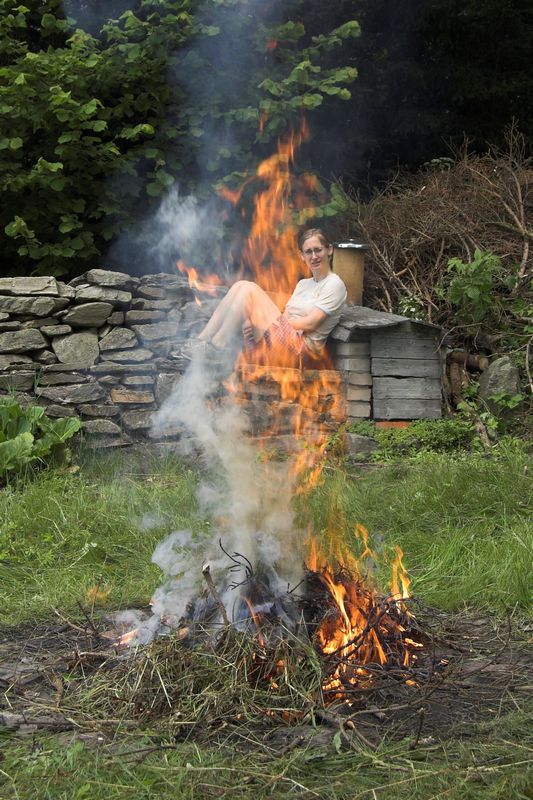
x=296, y=337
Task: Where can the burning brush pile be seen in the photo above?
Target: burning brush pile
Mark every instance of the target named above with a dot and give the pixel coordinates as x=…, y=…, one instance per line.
x=333, y=640
x=277, y=621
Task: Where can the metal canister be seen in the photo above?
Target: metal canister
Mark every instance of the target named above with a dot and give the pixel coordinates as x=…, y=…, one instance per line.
x=349, y=264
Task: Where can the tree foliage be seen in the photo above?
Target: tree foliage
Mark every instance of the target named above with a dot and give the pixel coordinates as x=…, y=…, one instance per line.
x=97, y=127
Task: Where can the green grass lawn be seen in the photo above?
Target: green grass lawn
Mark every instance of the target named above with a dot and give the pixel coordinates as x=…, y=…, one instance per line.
x=464, y=525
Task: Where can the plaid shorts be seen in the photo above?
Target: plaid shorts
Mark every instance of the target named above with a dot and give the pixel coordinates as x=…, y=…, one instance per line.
x=281, y=346
x=281, y=334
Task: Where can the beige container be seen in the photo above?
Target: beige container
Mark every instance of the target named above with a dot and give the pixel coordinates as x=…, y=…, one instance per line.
x=349, y=264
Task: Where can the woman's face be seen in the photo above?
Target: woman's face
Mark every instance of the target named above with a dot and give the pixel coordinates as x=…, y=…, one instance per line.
x=316, y=256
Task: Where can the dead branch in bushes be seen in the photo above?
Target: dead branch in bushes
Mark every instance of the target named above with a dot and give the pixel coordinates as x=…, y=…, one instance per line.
x=418, y=223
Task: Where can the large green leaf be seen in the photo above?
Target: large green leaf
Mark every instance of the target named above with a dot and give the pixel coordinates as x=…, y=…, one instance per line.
x=27, y=434
x=15, y=453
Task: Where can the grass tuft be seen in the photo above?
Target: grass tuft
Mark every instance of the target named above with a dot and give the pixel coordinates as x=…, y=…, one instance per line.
x=62, y=535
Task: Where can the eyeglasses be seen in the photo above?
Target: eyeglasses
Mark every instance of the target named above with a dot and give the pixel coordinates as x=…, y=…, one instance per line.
x=316, y=251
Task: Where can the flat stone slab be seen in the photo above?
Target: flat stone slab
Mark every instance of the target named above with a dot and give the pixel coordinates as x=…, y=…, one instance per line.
x=165, y=385
x=119, y=395
x=78, y=393
x=65, y=290
x=34, y=306
x=38, y=285
x=152, y=305
x=151, y=292
x=17, y=381
x=136, y=355
x=70, y=366
x=22, y=341
x=60, y=411
x=95, y=293
x=55, y=330
x=138, y=380
x=9, y=326
x=144, y=317
x=156, y=332
x=137, y=420
x=98, y=410
x=79, y=347
x=110, y=278
x=109, y=368
x=61, y=378
x=359, y=447
x=109, y=380
x=118, y=339
x=41, y=322
x=12, y=359
x=88, y=315
x=101, y=427
x=105, y=442
x=116, y=318
x=45, y=357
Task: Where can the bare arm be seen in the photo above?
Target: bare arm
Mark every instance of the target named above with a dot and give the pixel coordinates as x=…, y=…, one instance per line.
x=308, y=323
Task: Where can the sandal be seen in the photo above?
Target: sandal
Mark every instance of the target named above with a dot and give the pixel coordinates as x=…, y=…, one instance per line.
x=194, y=348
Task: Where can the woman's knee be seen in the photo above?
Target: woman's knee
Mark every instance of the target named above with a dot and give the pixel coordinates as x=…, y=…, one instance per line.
x=241, y=286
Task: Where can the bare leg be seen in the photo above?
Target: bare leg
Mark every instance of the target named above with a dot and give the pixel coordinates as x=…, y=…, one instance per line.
x=220, y=312
x=244, y=301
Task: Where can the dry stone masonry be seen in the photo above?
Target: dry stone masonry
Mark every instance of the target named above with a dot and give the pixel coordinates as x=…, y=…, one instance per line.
x=106, y=347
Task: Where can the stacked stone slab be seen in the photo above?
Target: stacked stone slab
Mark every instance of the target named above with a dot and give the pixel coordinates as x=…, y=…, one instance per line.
x=104, y=347
x=280, y=401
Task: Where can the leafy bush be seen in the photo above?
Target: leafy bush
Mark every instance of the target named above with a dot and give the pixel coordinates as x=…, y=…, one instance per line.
x=27, y=435
x=471, y=286
x=419, y=438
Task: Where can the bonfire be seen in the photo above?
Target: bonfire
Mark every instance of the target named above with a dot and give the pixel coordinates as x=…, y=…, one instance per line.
x=334, y=606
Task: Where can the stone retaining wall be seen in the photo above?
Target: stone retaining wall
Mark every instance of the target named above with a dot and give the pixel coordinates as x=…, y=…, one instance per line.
x=106, y=347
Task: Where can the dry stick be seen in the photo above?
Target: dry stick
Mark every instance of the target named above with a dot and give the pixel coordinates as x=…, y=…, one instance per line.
x=206, y=572
x=69, y=623
x=90, y=622
x=528, y=370
x=421, y=716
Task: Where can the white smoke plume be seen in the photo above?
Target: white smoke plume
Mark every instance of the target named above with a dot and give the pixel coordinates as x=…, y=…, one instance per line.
x=248, y=501
x=186, y=229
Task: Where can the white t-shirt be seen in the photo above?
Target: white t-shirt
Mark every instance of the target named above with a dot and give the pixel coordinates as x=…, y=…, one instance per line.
x=328, y=295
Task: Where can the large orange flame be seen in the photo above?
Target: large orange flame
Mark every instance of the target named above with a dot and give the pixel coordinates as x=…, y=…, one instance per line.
x=361, y=627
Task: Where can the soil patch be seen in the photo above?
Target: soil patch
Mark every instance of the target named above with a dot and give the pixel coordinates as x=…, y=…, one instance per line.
x=65, y=675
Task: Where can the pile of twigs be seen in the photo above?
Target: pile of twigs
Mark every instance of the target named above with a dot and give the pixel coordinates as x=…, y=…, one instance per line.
x=190, y=689
x=418, y=223
x=217, y=673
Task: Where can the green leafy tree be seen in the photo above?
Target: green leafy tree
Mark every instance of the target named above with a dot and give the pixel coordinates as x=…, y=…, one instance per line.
x=82, y=142
x=96, y=128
